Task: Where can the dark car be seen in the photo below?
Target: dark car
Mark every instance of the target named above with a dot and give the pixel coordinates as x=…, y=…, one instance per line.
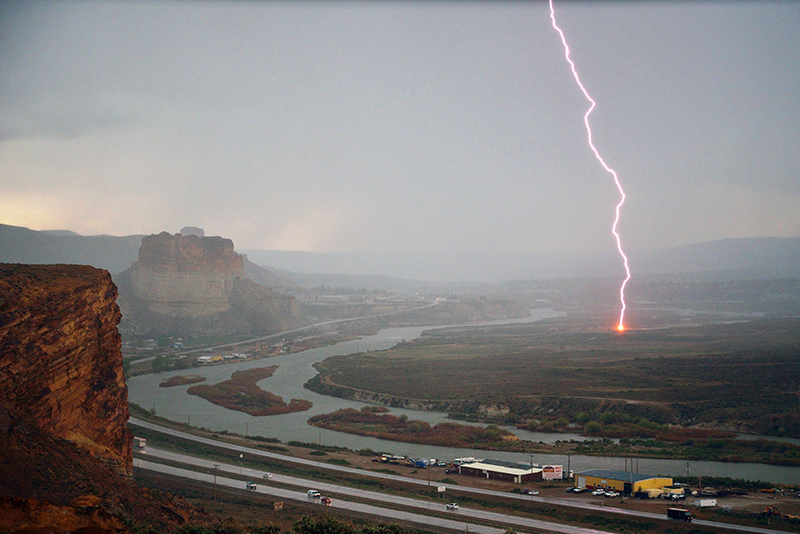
x=451, y=471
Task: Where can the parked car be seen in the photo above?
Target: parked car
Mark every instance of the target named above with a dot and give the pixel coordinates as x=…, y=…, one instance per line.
x=598, y=492
x=611, y=493
x=326, y=501
x=441, y=464
x=528, y=491
x=452, y=506
x=451, y=471
x=579, y=490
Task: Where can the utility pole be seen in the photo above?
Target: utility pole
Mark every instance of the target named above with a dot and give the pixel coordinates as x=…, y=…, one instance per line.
x=216, y=466
x=569, y=470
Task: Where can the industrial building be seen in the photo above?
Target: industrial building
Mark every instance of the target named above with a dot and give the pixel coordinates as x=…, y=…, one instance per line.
x=502, y=470
x=625, y=482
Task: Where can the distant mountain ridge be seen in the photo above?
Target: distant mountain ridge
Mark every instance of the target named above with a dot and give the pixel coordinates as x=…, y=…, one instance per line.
x=758, y=257
x=22, y=245
x=764, y=257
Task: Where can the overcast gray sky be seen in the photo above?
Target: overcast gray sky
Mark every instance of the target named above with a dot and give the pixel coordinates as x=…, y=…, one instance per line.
x=401, y=126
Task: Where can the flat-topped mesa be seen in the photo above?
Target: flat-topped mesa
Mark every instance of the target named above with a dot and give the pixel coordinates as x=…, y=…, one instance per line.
x=185, y=275
x=60, y=359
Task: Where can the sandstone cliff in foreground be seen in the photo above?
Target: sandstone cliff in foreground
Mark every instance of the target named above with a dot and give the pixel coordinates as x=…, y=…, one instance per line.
x=65, y=451
x=60, y=359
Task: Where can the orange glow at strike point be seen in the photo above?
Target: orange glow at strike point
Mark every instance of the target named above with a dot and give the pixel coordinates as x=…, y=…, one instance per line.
x=621, y=326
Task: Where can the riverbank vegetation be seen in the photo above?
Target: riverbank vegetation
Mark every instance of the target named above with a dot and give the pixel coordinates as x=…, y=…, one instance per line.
x=400, y=428
x=367, y=422
x=241, y=393
x=181, y=380
x=685, y=390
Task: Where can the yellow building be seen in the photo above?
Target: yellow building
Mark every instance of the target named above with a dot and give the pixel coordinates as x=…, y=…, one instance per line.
x=622, y=481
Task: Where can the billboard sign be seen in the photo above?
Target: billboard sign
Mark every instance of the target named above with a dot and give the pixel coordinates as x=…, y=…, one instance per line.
x=552, y=472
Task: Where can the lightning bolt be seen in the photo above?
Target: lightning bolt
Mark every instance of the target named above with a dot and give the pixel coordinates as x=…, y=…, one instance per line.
x=621, y=326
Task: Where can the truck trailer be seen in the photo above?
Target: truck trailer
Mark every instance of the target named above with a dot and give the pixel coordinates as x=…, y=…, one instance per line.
x=681, y=514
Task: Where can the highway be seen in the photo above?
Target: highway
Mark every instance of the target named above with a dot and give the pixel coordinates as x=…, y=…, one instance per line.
x=292, y=331
x=308, y=327
x=463, y=513
x=463, y=520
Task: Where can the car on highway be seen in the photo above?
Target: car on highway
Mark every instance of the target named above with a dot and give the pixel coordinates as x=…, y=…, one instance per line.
x=251, y=487
x=452, y=506
x=267, y=476
x=325, y=500
x=598, y=492
x=528, y=491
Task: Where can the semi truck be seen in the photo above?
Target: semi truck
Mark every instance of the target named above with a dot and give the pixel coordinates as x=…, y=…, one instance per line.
x=681, y=514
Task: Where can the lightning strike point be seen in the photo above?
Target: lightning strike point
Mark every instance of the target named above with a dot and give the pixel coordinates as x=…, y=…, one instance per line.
x=612, y=172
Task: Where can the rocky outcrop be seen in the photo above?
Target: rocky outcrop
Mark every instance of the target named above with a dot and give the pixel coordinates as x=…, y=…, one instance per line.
x=60, y=359
x=29, y=515
x=185, y=276
x=196, y=285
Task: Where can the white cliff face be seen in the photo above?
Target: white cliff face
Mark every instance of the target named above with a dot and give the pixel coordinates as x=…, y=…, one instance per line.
x=182, y=294
x=195, y=285
x=185, y=276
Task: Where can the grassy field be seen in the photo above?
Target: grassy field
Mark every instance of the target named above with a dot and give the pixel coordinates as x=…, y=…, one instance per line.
x=680, y=385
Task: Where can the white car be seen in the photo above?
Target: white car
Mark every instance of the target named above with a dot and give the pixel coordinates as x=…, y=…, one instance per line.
x=611, y=493
x=452, y=506
x=267, y=476
x=598, y=492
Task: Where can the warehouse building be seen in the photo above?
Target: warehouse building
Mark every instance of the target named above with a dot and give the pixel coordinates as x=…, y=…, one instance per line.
x=625, y=482
x=502, y=470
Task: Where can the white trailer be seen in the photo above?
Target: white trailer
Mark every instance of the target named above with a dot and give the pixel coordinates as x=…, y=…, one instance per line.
x=705, y=503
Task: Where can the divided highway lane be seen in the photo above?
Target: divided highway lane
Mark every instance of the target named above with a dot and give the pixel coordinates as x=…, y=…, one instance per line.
x=292, y=331
x=307, y=327
x=461, y=524
x=361, y=472
x=342, y=505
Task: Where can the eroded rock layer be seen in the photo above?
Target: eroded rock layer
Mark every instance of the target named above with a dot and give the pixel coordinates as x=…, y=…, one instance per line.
x=60, y=359
x=185, y=276
x=192, y=285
